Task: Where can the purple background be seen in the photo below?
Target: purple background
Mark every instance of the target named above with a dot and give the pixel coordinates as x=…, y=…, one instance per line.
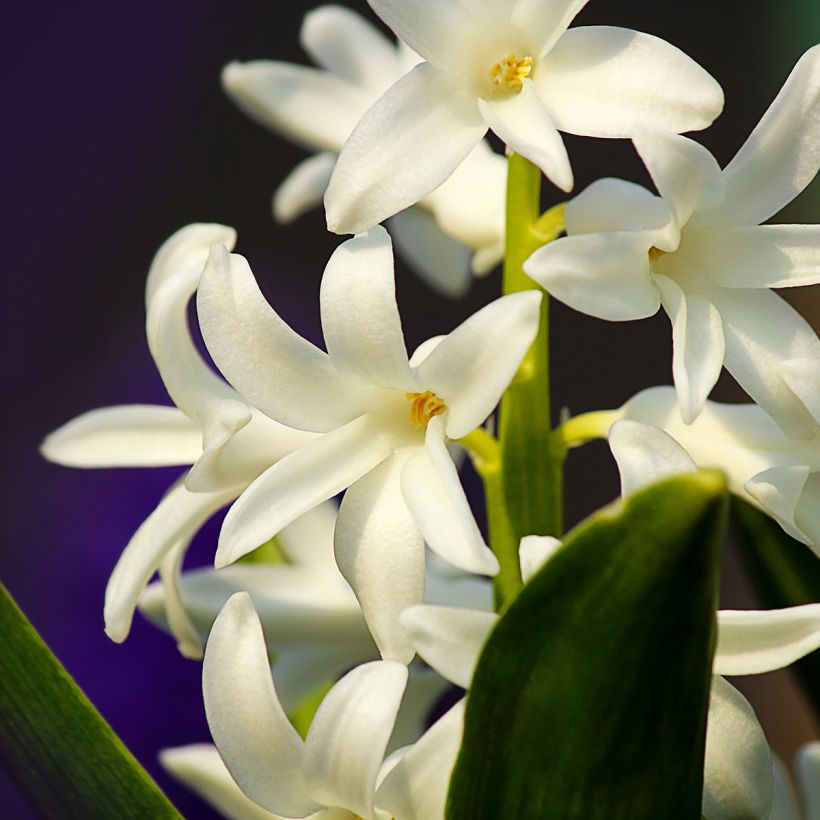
x=115, y=133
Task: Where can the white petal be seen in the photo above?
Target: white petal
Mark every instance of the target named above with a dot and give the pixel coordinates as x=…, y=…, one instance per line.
x=177, y=517
x=698, y=345
x=128, y=436
x=807, y=766
x=348, y=736
x=738, y=770
x=304, y=187
x=546, y=20
x=201, y=769
x=485, y=260
x=425, y=349
x=449, y=639
x=406, y=145
x=310, y=107
x=360, y=318
x=261, y=749
x=416, y=788
x=425, y=690
x=282, y=374
x=448, y=586
x=645, y=455
x=602, y=274
x=778, y=491
x=784, y=803
x=442, y=262
x=782, y=155
x=475, y=363
x=188, y=638
x=433, y=492
x=534, y=551
x=297, y=483
x=753, y=642
x=380, y=552
x=601, y=81
x=309, y=539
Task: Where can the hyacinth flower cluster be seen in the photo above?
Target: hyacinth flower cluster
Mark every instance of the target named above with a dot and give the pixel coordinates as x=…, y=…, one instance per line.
x=349, y=668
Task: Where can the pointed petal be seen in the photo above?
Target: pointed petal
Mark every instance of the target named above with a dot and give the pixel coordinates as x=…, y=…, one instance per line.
x=406, y=145
x=179, y=515
x=607, y=275
x=380, y=552
x=304, y=188
x=534, y=551
x=282, y=374
x=416, y=787
x=738, y=771
x=261, y=749
x=645, y=455
x=602, y=81
x=807, y=767
x=782, y=155
x=134, y=435
x=347, y=739
x=360, y=318
x=449, y=639
x=778, y=490
x=475, y=363
x=523, y=124
x=546, y=20
x=434, y=495
x=297, y=483
x=753, y=642
x=189, y=641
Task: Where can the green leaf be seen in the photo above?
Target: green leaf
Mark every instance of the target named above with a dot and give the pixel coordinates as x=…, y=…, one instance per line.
x=590, y=698
x=784, y=572
x=55, y=745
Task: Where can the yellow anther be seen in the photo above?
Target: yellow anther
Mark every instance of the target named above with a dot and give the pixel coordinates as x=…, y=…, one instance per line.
x=655, y=253
x=511, y=72
x=423, y=406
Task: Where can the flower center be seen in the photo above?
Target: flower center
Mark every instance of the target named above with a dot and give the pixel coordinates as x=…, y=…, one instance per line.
x=423, y=406
x=510, y=73
x=655, y=253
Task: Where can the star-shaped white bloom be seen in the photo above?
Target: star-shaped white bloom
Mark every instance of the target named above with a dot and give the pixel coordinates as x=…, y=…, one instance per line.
x=701, y=252
x=513, y=67
x=385, y=420
x=319, y=108
x=211, y=425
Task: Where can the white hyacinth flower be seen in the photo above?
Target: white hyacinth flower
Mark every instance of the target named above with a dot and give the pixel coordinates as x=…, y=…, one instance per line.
x=211, y=425
x=699, y=250
x=777, y=474
x=385, y=420
x=339, y=771
x=510, y=66
x=318, y=108
x=807, y=770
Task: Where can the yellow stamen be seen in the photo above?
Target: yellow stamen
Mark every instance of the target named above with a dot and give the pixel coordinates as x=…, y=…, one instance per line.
x=423, y=406
x=655, y=253
x=511, y=72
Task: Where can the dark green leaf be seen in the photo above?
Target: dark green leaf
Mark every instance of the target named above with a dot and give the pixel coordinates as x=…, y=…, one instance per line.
x=590, y=698
x=55, y=745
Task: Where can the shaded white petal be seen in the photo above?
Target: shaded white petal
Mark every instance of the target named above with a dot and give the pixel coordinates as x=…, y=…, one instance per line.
x=607, y=275
x=545, y=20
x=425, y=689
x=485, y=260
x=646, y=454
x=784, y=803
x=380, y=552
x=416, y=787
x=698, y=345
x=360, y=318
x=449, y=639
x=309, y=539
x=307, y=477
x=442, y=262
x=425, y=349
x=475, y=363
x=313, y=108
x=807, y=767
x=778, y=491
x=434, y=495
x=753, y=642
x=738, y=769
x=200, y=768
x=782, y=155
x=177, y=517
x=447, y=586
x=261, y=749
x=406, y=145
x=188, y=638
x=534, y=551
x=349, y=733
x=282, y=374
x=521, y=121
x=601, y=81
x=134, y=435
x=304, y=187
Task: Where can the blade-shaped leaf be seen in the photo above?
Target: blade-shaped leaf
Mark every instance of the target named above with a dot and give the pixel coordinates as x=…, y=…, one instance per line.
x=590, y=698
x=784, y=573
x=55, y=745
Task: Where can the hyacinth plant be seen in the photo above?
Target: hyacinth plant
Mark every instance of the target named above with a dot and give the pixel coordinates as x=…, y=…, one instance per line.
x=369, y=650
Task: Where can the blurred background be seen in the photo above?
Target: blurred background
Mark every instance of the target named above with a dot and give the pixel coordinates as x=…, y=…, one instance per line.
x=115, y=134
